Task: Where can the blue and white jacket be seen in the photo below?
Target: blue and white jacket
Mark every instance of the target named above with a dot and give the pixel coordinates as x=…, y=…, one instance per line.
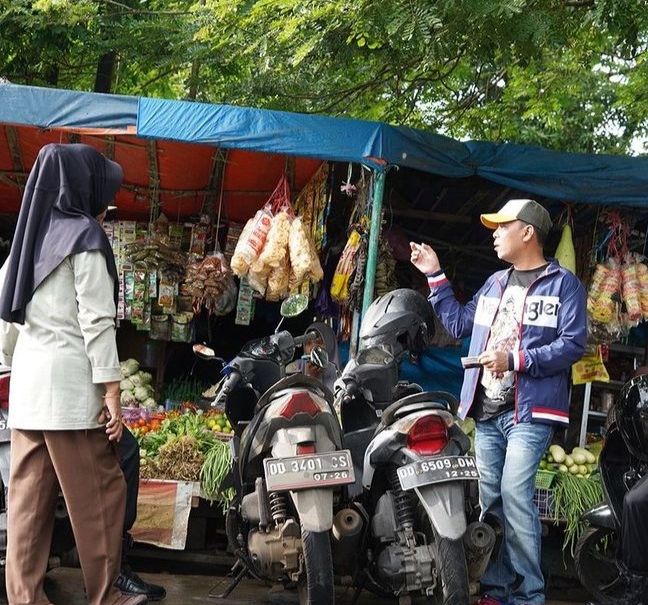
x=552, y=337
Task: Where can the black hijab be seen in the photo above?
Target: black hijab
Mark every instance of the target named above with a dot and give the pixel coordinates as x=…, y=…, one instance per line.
x=68, y=186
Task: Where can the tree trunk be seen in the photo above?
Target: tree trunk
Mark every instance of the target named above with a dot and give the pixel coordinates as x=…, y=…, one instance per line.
x=105, y=72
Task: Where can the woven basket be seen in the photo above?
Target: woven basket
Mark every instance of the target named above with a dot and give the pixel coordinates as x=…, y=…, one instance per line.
x=544, y=479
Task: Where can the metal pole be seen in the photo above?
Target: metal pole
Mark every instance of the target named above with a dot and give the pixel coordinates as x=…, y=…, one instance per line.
x=374, y=236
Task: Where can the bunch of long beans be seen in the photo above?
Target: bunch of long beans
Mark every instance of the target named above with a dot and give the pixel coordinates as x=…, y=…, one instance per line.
x=573, y=495
x=215, y=468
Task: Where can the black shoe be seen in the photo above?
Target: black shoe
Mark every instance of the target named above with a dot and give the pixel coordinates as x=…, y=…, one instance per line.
x=129, y=583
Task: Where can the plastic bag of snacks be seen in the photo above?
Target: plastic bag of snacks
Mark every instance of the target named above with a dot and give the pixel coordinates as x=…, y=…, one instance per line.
x=258, y=276
x=642, y=274
x=605, y=284
x=345, y=268
x=304, y=259
x=277, y=241
x=252, y=240
x=631, y=288
x=278, y=280
x=300, y=250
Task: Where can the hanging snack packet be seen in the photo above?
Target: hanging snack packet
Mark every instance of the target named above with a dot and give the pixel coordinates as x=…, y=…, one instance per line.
x=252, y=240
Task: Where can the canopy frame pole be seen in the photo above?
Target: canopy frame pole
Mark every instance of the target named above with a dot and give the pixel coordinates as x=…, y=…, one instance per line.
x=374, y=237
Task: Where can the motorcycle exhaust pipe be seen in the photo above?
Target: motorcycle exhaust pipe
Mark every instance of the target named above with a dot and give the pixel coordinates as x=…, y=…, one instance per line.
x=479, y=541
x=347, y=535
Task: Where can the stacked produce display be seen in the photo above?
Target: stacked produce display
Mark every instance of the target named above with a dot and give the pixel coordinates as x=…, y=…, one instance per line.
x=184, y=445
x=571, y=486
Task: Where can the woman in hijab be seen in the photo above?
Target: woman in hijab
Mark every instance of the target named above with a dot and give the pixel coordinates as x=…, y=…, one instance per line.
x=58, y=305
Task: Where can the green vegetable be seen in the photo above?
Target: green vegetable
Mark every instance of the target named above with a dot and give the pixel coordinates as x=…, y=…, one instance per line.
x=129, y=367
x=141, y=393
x=563, y=469
x=558, y=453
x=573, y=495
x=215, y=468
x=569, y=461
x=579, y=457
x=127, y=398
x=126, y=385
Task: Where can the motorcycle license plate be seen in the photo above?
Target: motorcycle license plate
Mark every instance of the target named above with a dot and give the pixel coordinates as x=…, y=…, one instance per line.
x=311, y=470
x=437, y=470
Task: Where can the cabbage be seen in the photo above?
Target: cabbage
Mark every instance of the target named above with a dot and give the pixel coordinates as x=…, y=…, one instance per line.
x=129, y=367
x=141, y=393
x=145, y=377
x=136, y=379
x=150, y=403
x=127, y=398
x=126, y=385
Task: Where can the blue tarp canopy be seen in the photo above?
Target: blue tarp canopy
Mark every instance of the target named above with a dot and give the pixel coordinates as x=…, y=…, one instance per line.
x=53, y=108
x=586, y=178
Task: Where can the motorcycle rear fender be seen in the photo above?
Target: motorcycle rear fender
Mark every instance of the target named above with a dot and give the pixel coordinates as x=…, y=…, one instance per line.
x=285, y=441
x=389, y=445
x=445, y=506
x=600, y=516
x=314, y=506
x=267, y=427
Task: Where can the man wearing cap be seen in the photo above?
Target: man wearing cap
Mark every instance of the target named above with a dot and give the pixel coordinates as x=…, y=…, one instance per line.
x=528, y=326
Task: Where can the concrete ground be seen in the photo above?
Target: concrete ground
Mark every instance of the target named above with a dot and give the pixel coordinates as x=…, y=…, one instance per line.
x=65, y=587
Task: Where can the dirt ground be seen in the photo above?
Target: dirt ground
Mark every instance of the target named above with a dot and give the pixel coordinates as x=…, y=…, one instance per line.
x=65, y=587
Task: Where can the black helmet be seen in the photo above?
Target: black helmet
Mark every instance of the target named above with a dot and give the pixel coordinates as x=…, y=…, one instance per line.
x=401, y=320
x=631, y=415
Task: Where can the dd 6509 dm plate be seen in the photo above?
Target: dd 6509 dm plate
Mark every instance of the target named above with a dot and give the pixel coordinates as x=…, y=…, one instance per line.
x=437, y=470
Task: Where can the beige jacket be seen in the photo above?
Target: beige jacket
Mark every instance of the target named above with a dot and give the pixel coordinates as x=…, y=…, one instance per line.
x=65, y=349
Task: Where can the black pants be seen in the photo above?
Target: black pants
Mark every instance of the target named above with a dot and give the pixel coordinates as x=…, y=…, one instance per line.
x=634, y=528
x=129, y=460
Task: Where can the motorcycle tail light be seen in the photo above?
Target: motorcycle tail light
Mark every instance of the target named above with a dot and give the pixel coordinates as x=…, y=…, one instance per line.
x=299, y=403
x=428, y=435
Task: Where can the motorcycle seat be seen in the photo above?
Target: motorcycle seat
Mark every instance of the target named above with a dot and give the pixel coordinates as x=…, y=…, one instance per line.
x=428, y=400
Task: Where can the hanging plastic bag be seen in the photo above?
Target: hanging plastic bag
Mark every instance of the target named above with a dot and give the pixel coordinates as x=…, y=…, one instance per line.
x=277, y=242
x=631, y=289
x=590, y=368
x=258, y=276
x=252, y=240
x=278, y=281
x=345, y=268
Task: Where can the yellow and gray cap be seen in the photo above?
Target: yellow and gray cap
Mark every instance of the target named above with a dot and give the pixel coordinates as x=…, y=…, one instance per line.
x=528, y=211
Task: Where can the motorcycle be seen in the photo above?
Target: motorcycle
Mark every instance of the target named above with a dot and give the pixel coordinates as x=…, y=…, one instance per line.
x=596, y=553
x=408, y=505
x=288, y=464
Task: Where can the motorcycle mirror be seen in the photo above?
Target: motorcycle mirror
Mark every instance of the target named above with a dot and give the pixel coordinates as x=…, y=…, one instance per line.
x=319, y=357
x=205, y=352
x=294, y=305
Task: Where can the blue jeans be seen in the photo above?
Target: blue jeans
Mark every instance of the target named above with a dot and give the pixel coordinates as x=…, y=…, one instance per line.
x=508, y=456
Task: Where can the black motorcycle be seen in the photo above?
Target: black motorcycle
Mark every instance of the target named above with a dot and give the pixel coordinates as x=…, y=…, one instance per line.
x=622, y=463
x=288, y=466
x=407, y=530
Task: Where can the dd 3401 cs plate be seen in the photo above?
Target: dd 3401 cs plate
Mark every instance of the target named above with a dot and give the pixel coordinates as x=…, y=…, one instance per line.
x=312, y=470
x=437, y=470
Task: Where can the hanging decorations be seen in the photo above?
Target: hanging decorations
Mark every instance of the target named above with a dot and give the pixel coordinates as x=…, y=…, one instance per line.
x=618, y=291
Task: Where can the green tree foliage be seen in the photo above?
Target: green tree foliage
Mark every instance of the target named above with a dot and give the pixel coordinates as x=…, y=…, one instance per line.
x=566, y=74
